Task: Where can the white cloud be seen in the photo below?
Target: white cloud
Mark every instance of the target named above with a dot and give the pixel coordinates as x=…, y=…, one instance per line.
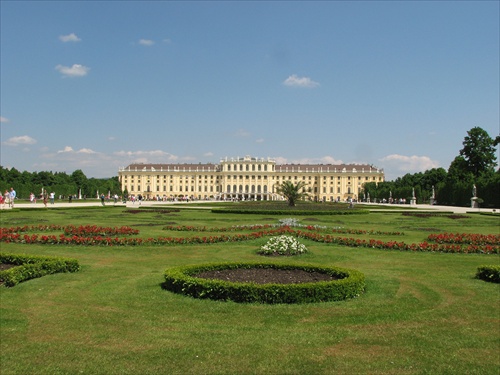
x=146, y=42
x=296, y=81
x=208, y=154
x=167, y=41
x=3, y=119
x=21, y=140
x=408, y=164
x=69, y=149
x=76, y=70
x=260, y=140
x=69, y=38
x=242, y=133
x=153, y=156
x=69, y=159
x=66, y=149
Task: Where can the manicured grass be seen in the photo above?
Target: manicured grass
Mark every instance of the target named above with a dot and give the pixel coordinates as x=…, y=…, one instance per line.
x=422, y=313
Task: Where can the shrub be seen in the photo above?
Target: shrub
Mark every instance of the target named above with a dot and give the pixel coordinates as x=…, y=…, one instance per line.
x=348, y=284
x=489, y=273
x=288, y=212
x=30, y=267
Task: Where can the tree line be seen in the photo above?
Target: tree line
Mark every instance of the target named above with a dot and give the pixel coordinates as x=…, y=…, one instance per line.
x=61, y=183
x=473, y=166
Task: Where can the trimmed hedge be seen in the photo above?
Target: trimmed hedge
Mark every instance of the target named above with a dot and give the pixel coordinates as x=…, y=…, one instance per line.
x=32, y=266
x=350, y=284
x=489, y=273
x=289, y=212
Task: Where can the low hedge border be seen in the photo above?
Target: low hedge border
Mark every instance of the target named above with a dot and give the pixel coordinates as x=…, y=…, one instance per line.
x=289, y=212
x=351, y=283
x=489, y=273
x=31, y=266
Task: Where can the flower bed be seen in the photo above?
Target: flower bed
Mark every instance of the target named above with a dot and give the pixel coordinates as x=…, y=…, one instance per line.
x=283, y=245
x=345, y=283
x=444, y=242
x=26, y=267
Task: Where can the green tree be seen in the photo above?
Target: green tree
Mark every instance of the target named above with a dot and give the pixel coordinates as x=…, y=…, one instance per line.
x=292, y=192
x=479, y=152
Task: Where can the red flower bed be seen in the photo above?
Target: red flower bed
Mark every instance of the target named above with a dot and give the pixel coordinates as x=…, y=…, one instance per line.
x=102, y=236
x=465, y=238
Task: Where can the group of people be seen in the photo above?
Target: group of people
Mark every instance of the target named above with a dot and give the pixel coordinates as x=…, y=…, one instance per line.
x=8, y=198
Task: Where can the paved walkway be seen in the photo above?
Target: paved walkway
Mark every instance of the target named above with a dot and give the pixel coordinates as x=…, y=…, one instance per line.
x=373, y=206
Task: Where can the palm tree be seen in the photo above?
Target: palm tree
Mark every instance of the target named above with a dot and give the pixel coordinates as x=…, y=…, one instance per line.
x=292, y=192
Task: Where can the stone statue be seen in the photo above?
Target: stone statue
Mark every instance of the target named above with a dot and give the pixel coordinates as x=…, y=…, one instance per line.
x=474, y=190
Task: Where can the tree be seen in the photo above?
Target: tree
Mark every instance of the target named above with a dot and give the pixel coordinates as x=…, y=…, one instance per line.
x=292, y=192
x=479, y=152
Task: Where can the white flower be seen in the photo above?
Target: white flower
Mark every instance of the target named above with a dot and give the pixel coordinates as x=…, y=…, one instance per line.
x=283, y=245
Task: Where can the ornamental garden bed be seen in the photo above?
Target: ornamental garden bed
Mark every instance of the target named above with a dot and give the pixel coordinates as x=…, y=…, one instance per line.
x=16, y=268
x=267, y=283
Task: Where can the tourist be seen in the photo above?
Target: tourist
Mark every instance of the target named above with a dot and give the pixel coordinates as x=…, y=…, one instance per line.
x=45, y=197
x=32, y=198
x=102, y=199
x=12, y=196
x=6, y=198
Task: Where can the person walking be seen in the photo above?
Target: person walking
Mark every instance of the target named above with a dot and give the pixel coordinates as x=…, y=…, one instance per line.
x=12, y=196
x=6, y=198
x=102, y=199
x=52, y=197
x=45, y=198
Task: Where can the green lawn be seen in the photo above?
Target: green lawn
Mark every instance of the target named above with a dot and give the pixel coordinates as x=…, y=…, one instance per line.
x=421, y=313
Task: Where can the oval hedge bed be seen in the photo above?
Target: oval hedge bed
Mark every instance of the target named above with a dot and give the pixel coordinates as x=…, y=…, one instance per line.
x=342, y=284
x=22, y=267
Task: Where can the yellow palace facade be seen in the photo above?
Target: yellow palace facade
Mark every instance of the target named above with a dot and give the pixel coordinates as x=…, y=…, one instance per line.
x=245, y=178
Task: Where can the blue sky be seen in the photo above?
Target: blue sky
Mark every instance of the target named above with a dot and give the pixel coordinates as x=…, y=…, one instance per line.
x=96, y=85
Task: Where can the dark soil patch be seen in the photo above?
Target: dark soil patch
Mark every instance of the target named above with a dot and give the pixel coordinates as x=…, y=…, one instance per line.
x=4, y=266
x=265, y=276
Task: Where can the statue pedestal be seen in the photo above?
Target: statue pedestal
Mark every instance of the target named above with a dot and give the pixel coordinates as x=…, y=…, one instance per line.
x=413, y=201
x=474, y=203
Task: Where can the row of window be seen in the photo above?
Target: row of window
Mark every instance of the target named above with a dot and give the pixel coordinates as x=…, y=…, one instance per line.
x=246, y=167
x=185, y=188
x=247, y=177
x=234, y=189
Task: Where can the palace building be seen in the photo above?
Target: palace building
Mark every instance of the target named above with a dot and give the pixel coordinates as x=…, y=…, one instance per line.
x=245, y=178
